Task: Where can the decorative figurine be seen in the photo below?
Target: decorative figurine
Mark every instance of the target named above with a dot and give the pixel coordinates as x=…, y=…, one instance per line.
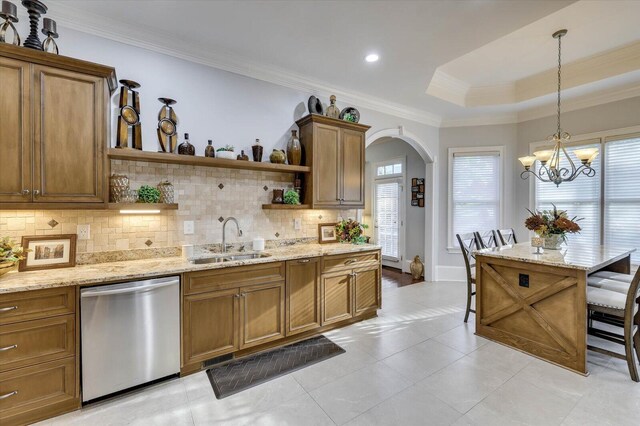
x=315, y=106
x=242, y=156
x=417, y=268
x=50, y=29
x=9, y=13
x=332, y=110
x=129, y=116
x=278, y=156
x=167, y=126
x=185, y=148
x=257, y=151
x=294, y=149
x=210, y=151
x=35, y=9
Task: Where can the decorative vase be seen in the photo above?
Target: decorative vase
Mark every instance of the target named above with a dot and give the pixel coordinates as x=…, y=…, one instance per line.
x=6, y=266
x=118, y=187
x=242, y=156
x=278, y=156
x=417, y=268
x=553, y=242
x=257, y=150
x=209, y=151
x=278, y=196
x=294, y=149
x=166, y=192
x=185, y=148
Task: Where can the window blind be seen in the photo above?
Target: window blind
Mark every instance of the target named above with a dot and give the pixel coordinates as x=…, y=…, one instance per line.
x=387, y=212
x=622, y=194
x=475, y=192
x=580, y=198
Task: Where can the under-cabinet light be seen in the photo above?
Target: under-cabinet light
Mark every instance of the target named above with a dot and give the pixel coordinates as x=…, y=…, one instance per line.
x=139, y=211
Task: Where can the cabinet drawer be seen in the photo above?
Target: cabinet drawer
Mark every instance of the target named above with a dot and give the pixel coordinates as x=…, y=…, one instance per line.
x=34, y=393
x=32, y=342
x=240, y=276
x=36, y=304
x=349, y=261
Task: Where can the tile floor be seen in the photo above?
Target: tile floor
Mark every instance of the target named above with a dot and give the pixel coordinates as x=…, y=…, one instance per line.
x=416, y=364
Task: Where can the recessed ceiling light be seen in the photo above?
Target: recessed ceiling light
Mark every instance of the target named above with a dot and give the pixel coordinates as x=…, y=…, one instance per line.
x=372, y=57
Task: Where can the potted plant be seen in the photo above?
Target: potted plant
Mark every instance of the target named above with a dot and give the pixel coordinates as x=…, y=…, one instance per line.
x=226, y=152
x=148, y=194
x=10, y=254
x=291, y=197
x=552, y=225
x=351, y=231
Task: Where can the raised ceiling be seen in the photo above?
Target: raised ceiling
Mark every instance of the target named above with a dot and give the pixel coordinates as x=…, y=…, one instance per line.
x=320, y=46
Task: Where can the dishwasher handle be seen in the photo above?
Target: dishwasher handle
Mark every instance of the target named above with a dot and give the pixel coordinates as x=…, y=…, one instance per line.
x=125, y=290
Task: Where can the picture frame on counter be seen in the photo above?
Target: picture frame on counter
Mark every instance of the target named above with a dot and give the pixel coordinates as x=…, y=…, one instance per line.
x=327, y=233
x=48, y=252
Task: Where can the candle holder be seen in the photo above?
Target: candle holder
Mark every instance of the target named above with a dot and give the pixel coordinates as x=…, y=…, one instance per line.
x=35, y=9
x=9, y=13
x=50, y=29
x=537, y=242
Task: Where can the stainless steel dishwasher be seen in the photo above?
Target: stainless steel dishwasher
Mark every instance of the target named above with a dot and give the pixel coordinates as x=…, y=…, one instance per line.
x=130, y=334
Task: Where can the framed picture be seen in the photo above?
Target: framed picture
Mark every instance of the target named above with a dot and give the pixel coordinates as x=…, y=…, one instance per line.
x=421, y=202
x=415, y=189
x=420, y=181
x=48, y=252
x=414, y=203
x=420, y=195
x=327, y=233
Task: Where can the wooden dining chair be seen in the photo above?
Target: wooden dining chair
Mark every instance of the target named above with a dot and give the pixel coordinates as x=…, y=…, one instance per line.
x=506, y=236
x=468, y=243
x=617, y=309
x=487, y=239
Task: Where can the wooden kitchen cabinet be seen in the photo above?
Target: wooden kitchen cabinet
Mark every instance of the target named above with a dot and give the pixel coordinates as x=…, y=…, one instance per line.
x=335, y=151
x=366, y=290
x=262, y=310
x=337, y=297
x=303, y=295
x=54, y=118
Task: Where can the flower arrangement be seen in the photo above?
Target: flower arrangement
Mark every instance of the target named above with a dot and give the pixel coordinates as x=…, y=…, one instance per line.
x=10, y=254
x=351, y=231
x=548, y=223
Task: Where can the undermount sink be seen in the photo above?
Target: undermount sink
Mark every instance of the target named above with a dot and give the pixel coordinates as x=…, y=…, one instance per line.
x=219, y=258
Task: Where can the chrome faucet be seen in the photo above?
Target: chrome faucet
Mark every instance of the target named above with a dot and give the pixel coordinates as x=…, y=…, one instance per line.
x=224, y=231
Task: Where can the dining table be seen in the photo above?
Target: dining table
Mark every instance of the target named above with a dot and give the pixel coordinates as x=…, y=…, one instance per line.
x=537, y=302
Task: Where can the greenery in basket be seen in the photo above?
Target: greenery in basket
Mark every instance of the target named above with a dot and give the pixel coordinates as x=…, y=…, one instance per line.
x=226, y=148
x=148, y=194
x=11, y=251
x=351, y=231
x=291, y=197
x=552, y=222
x=349, y=117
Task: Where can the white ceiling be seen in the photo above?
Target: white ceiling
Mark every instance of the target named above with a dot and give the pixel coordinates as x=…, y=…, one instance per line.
x=320, y=45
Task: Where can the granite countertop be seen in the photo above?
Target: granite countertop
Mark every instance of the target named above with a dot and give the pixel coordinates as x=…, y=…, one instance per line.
x=146, y=268
x=574, y=256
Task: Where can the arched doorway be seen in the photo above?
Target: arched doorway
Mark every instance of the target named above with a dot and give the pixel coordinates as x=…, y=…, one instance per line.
x=404, y=144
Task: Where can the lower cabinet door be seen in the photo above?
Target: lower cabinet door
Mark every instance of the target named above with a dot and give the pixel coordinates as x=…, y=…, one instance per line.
x=210, y=325
x=39, y=392
x=367, y=286
x=262, y=313
x=303, y=295
x=337, y=297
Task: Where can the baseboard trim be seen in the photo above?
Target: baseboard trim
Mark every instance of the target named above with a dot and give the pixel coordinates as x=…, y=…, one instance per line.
x=451, y=273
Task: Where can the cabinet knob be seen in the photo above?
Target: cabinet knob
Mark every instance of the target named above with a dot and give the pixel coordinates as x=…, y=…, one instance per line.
x=303, y=261
x=36, y=192
x=25, y=192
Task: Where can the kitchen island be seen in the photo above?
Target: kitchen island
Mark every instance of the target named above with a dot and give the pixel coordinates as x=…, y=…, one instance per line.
x=537, y=303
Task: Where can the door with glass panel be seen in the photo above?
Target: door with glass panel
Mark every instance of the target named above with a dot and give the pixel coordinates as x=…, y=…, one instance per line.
x=388, y=222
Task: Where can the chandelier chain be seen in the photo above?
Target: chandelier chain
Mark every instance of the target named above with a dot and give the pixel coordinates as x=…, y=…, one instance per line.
x=559, y=80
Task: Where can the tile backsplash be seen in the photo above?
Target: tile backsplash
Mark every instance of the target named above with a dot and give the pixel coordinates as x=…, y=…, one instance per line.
x=205, y=195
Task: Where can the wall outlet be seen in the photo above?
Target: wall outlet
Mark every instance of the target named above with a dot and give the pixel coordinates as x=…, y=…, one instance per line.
x=297, y=224
x=84, y=232
x=188, y=227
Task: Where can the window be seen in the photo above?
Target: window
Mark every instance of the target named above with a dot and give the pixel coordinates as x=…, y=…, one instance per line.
x=580, y=198
x=475, y=190
x=608, y=202
x=622, y=193
x=391, y=169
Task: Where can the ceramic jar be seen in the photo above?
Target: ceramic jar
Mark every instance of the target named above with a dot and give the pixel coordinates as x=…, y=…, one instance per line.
x=210, y=151
x=294, y=149
x=278, y=156
x=242, y=156
x=417, y=268
x=257, y=150
x=185, y=148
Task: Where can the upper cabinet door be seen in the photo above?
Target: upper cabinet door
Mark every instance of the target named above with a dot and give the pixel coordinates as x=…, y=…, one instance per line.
x=326, y=172
x=15, y=140
x=69, y=136
x=352, y=181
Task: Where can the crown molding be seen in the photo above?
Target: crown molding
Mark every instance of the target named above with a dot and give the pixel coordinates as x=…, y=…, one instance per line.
x=146, y=38
x=448, y=88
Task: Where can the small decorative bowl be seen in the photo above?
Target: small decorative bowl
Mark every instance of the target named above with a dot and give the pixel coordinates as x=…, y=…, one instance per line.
x=229, y=155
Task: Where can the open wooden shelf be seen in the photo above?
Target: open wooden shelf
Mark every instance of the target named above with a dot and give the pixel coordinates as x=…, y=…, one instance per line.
x=142, y=206
x=285, y=206
x=191, y=160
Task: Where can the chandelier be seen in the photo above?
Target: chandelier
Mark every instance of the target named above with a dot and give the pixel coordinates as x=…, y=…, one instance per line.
x=554, y=168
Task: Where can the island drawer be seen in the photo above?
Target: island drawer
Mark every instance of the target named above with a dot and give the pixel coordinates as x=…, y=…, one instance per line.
x=28, y=305
x=349, y=261
x=32, y=342
x=238, y=276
